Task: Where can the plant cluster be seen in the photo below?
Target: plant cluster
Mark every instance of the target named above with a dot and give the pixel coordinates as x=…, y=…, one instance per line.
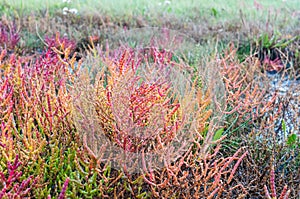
x=35, y=121
x=257, y=109
x=139, y=110
x=9, y=34
x=142, y=123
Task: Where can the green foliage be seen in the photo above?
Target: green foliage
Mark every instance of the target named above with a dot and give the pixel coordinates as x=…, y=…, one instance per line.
x=292, y=140
x=218, y=134
x=265, y=41
x=214, y=12
x=244, y=50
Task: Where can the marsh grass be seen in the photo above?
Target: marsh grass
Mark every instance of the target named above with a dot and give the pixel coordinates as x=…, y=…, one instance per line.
x=200, y=19
x=179, y=8
x=207, y=28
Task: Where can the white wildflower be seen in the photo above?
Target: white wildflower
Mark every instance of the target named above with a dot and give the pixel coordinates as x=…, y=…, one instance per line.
x=167, y=2
x=67, y=1
x=73, y=11
x=65, y=11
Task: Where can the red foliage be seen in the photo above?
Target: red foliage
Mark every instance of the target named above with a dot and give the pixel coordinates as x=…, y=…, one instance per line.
x=9, y=35
x=11, y=185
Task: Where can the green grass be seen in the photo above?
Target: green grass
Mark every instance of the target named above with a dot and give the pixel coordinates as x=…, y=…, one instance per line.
x=180, y=8
x=199, y=18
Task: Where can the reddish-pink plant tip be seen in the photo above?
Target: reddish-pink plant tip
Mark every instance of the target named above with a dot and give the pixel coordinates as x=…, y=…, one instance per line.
x=285, y=193
x=267, y=192
x=2, y=145
x=12, y=185
x=64, y=189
